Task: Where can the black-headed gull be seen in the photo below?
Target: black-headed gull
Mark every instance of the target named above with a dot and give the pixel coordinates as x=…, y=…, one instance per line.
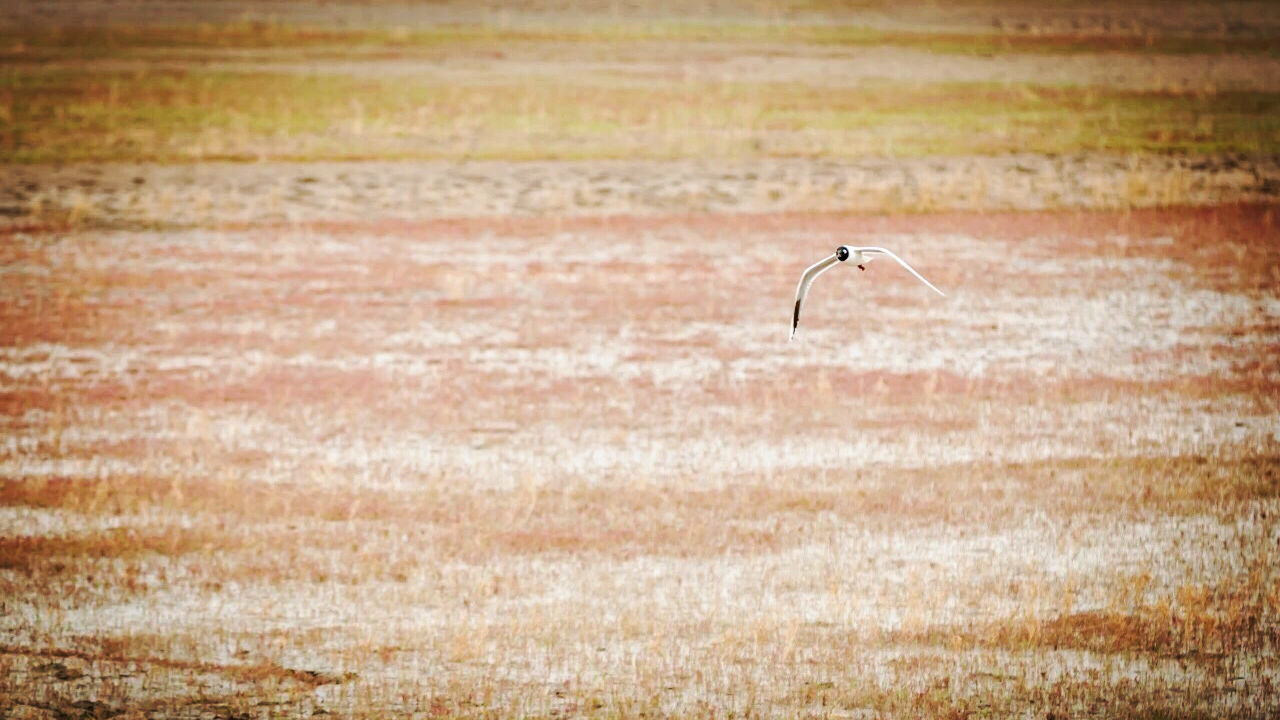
x=857, y=256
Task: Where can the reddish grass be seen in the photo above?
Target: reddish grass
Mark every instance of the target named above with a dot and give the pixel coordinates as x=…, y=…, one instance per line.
x=249, y=444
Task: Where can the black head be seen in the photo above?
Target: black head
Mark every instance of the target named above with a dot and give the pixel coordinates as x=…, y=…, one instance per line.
x=842, y=253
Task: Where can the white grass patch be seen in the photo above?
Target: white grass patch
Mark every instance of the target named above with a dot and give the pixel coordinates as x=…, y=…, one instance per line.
x=1079, y=327
x=94, y=468
x=568, y=366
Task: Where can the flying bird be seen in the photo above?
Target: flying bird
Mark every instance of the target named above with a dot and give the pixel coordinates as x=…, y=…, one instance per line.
x=857, y=256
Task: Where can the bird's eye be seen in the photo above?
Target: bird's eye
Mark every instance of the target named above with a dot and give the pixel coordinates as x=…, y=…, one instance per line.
x=842, y=253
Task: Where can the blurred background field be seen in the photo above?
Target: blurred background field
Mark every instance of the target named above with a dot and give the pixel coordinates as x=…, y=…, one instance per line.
x=428, y=360
x=806, y=107
x=526, y=86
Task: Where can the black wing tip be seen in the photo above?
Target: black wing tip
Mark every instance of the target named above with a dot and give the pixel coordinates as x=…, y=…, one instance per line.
x=795, y=319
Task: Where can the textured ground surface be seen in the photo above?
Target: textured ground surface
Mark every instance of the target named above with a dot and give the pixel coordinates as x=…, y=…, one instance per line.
x=527, y=439
x=214, y=193
x=572, y=465
x=1202, y=18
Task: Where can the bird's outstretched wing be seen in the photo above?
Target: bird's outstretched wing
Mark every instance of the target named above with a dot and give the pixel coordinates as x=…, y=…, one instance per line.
x=903, y=263
x=806, y=280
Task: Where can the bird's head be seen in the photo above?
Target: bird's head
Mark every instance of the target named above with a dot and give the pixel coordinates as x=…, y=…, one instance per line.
x=842, y=253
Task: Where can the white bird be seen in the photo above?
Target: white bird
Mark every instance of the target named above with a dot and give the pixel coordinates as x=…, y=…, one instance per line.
x=857, y=256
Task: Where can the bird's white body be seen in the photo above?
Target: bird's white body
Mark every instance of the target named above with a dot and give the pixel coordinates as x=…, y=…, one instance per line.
x=860, y=257
x=857, y=257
